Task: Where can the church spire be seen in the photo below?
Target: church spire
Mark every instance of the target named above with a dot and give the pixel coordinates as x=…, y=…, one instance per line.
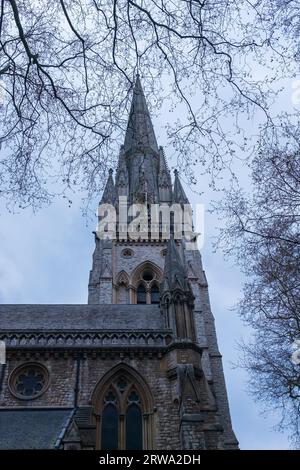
x=179, y=195
x=139, y=133
x=164, y=179
x=109, y=193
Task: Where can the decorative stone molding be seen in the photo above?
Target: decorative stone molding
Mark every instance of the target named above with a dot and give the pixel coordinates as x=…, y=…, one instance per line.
x=127, y=253
x=93, y=339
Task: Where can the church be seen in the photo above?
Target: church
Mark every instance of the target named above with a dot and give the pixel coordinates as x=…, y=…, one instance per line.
x=138, y=366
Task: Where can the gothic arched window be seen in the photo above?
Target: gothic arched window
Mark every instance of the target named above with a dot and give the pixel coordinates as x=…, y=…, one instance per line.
x=122, y=416
x=155, y=294
x=145, y=277
x=141, y=294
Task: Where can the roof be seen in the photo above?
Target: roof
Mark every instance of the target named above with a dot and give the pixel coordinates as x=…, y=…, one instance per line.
x=31, y=428
x=84, y=317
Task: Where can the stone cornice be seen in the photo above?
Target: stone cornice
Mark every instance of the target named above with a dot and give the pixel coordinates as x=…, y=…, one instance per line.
x=115, y=353
x=182, y=344
x=57, y=339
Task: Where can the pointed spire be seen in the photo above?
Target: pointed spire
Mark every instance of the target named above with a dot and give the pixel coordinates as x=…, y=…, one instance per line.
x=109, y=193
x=163, y=166
x=140, y=133
x=175, y=275
x=121, y=175
x=164, y=177
x=179, y=195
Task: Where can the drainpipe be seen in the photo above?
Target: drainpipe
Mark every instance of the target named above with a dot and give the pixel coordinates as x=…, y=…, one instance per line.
x=3, y=367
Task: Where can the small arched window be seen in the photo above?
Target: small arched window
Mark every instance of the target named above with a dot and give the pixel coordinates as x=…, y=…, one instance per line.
x=155, y=294
x=141, y=294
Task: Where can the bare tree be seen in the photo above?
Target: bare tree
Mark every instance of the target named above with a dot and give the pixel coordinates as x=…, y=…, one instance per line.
x=263, y=233
x=67, y=68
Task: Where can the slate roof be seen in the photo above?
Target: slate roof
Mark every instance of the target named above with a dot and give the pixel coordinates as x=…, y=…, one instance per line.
x=31, y=428
x=80, y=317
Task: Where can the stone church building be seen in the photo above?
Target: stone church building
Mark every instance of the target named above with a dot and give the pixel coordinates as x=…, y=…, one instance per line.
x=138, y=366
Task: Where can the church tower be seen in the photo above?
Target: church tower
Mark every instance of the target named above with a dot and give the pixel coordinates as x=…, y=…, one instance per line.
x=138, y=367
x=166, y=284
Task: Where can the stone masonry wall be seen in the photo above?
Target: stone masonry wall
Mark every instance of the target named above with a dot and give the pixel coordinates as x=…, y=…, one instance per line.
x=63, y=378
x=60, y=393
